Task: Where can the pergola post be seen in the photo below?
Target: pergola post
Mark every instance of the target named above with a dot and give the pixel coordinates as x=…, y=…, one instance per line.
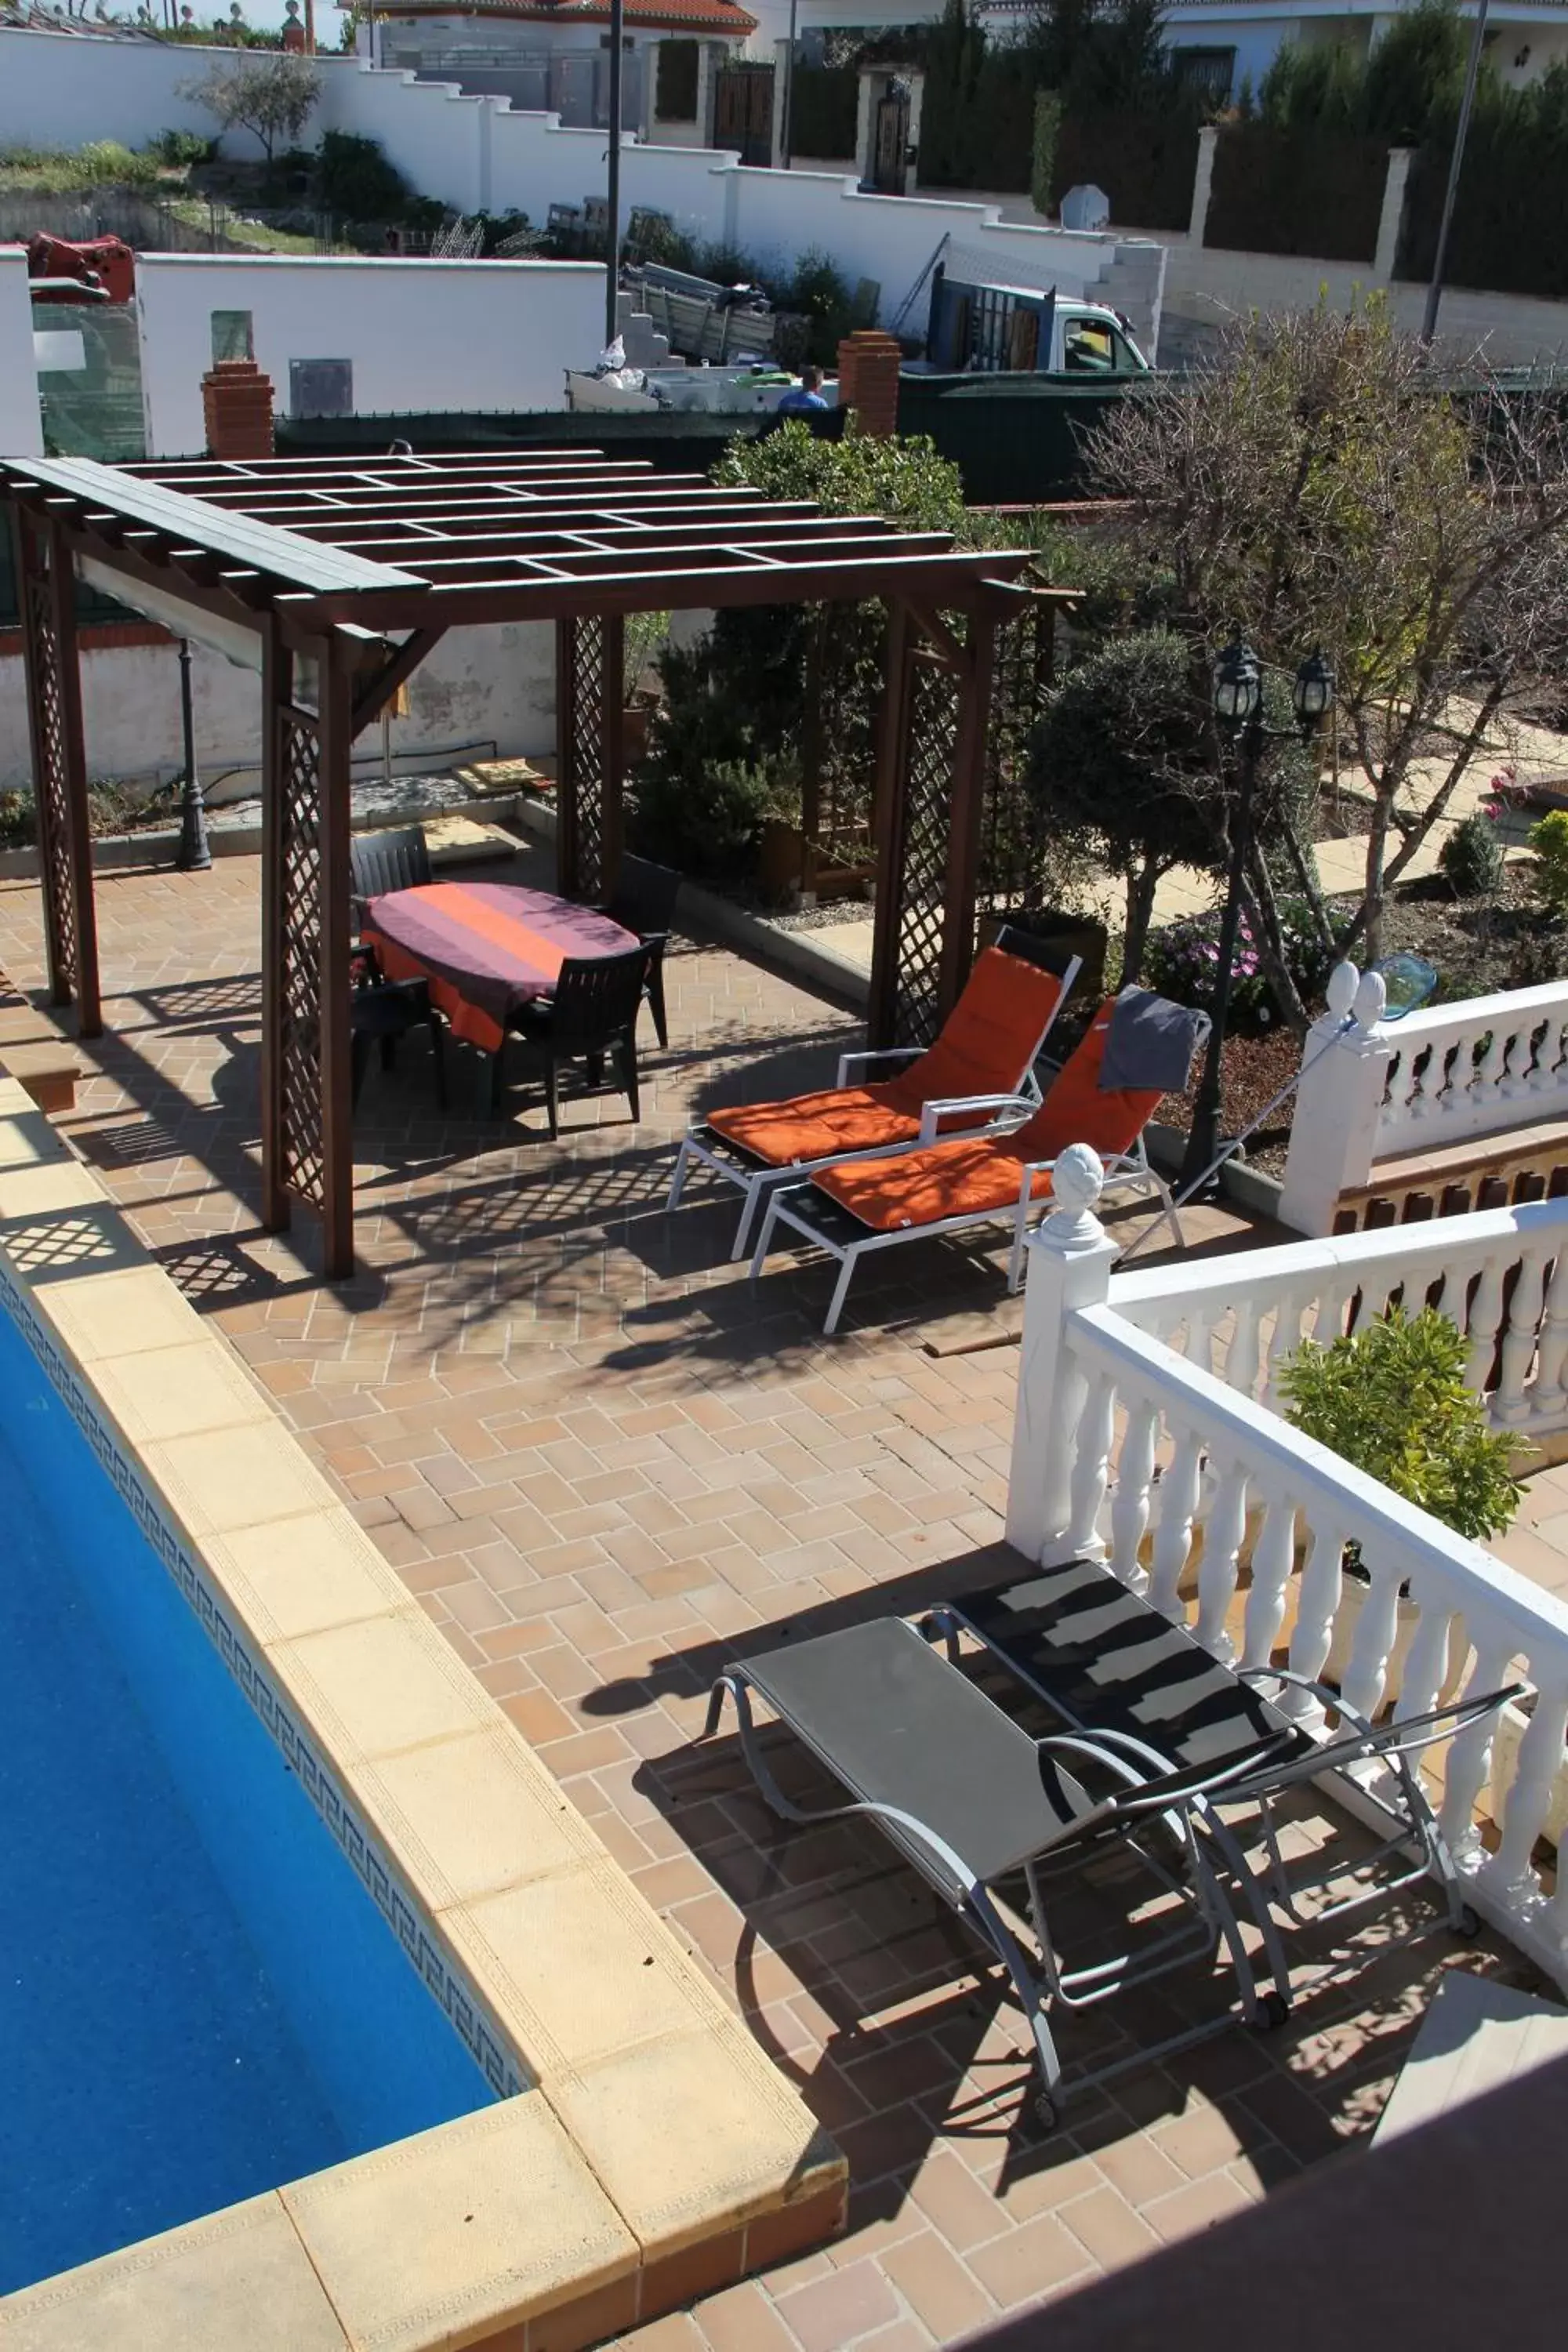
x=590, y=754
x=46, y=592
x=307, y=1134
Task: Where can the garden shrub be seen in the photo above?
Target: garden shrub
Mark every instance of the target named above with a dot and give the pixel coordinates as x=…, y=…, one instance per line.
x=1391, y=1399
x=1181, y=960
x=355, y=181
x=1548, y=839
x=181, y=148
x=1471, y=857
x=1145, y=159
x=1275, y=190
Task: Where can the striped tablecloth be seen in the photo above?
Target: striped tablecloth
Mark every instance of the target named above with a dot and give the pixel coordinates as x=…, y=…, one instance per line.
x=484, y=946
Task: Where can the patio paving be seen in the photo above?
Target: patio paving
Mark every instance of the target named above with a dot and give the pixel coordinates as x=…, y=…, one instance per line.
x=603, y=1465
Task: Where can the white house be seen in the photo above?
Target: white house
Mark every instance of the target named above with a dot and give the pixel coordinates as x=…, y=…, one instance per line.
x=553, y=55
x=1225, y=42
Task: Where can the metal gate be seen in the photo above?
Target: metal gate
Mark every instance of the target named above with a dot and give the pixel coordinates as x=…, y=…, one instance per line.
x=744, y=111
x=888, y=159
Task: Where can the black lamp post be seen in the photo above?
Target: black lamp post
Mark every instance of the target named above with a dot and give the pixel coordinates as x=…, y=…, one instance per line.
x=193, y=855
x=1238, y=707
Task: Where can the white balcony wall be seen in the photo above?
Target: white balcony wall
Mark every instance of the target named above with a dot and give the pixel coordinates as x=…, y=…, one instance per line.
x=419, y=334
x=1195, y=1491
x=1386, y=1089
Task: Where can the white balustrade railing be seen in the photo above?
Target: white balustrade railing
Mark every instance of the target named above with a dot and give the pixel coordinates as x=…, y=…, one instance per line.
x=1375, y=1089
x=1500, y=1276
x=1193, y=1489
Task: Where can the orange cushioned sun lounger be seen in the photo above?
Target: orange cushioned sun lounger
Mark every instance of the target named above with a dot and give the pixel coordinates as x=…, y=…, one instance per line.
x=869, y=1204
x=980, y=1069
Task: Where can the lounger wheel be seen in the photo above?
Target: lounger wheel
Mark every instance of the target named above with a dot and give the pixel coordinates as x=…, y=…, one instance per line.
x=1048, y=2114
x=1468, y=1923
x=1273, y=2009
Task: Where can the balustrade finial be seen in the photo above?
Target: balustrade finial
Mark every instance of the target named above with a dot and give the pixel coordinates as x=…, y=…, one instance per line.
x=1370, y=999
x=1078, y=1180
x=1340, y=993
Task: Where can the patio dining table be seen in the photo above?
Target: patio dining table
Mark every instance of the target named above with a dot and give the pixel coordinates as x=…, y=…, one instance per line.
x=484, y=946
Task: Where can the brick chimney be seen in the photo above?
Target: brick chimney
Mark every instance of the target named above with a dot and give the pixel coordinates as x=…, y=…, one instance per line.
x=236, y=403
x=868, y=364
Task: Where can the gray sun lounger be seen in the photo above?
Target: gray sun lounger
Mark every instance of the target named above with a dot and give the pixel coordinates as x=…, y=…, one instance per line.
x=971, y=1799
x=1105, y=1660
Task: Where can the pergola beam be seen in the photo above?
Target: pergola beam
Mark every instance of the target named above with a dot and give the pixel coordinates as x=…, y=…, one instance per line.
x=372, y=699
x=327, y=559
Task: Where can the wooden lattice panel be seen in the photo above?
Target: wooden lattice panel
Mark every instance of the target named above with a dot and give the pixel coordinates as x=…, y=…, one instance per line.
x=300, y=1046
x=51, y=779
x=931, y=740
x=590, y=752
x=1011, y=837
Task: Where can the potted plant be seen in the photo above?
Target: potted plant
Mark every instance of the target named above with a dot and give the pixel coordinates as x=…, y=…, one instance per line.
x=1391, y=1398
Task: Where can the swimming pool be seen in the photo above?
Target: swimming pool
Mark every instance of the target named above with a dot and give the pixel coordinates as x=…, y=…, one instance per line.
x=198, y=1999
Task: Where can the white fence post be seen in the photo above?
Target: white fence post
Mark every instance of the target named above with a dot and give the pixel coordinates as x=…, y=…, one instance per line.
x=1203, y=181
x=1069, y=1266
x=1392, y=217
x=1333, y=1130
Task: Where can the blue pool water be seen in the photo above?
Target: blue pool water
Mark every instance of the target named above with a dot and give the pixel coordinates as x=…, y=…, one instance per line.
x=198, y=2000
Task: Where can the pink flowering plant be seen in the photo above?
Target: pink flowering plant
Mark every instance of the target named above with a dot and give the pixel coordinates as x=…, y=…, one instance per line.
x=1181, y=962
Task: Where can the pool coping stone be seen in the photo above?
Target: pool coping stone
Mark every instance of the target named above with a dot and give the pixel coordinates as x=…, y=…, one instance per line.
x=403, y=1754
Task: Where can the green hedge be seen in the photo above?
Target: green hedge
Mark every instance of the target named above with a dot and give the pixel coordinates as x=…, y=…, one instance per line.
x=1317, y=191
x=675, y=85
x=1510, y=218
x=978, y=131
x=823, y=110
x=1145, y=162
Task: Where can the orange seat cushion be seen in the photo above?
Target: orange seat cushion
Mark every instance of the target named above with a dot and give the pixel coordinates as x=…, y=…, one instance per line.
x=978, y=1175
x=985, y=1048
x=817, y=1127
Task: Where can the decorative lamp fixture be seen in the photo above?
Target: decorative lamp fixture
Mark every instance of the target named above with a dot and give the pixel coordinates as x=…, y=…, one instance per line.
x=1313, y=692
x=1237, y=686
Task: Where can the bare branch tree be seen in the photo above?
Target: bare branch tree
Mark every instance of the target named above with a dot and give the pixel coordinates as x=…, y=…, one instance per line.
x=1317, y=487
x=269, y=94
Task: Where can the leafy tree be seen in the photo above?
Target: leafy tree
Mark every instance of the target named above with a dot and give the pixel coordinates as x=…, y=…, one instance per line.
x=1123, y=759
x=268, y=94
x=1316, y=487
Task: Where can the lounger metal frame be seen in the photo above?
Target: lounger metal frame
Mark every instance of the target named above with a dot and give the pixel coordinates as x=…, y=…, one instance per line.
x=792, y=1205
x=1147, y=1795
x=1394, y=1788
x=1144, y=1799
x=755, y=1179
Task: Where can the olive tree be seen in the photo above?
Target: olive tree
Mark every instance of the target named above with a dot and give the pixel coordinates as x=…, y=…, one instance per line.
x=269, y=93
x=1319, y=486
x=1122, y=760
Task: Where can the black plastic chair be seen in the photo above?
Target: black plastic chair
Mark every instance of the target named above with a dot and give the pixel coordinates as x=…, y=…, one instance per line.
x=379, y=862
x=593, y=1012
x=644, y=902
x=380, y=1013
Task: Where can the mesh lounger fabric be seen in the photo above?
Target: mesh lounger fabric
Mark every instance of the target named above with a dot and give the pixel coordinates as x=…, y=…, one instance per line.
x=984, y=1049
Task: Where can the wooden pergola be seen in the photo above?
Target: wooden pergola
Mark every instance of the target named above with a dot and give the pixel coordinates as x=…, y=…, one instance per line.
x=342, y=577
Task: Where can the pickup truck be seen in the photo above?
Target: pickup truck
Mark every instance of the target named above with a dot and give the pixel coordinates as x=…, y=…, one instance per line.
x=1013, y=381
x=987, y=330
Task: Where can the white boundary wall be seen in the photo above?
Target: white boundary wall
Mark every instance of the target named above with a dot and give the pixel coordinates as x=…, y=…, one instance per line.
x=65, y=89
x=480, y=154
x=420, y=334
x=479, y=686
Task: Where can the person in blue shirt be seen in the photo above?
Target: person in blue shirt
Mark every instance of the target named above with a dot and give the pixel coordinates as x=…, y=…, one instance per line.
x=806, y=397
